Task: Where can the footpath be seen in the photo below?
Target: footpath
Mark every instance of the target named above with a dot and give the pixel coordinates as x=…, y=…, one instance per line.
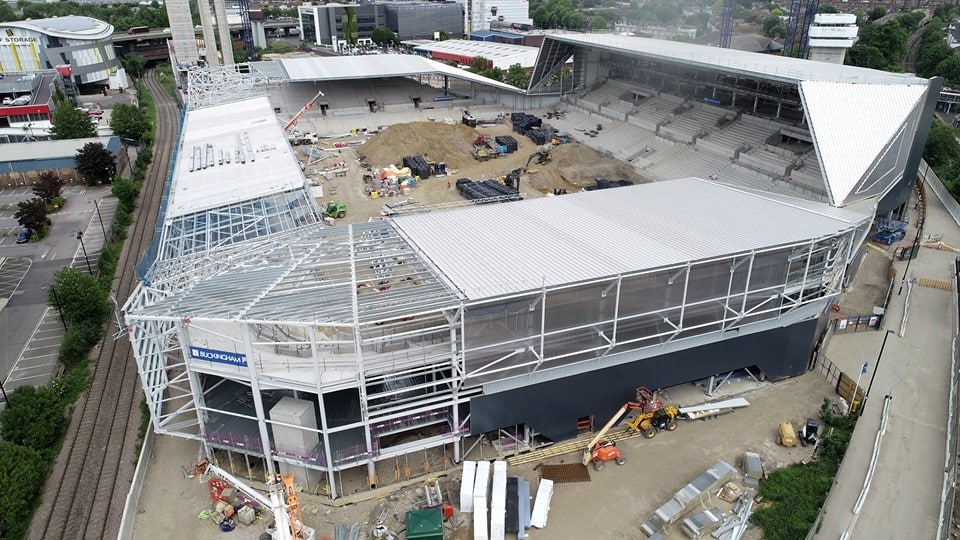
x=904, y=496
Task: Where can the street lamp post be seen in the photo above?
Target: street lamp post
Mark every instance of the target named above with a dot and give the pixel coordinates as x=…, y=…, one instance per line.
x=56, y=300
x=84, y=248
x=100, y=218
x=876, y=368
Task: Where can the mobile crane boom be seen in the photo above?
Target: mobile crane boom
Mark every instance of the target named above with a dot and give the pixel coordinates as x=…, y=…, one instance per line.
x=296, y=118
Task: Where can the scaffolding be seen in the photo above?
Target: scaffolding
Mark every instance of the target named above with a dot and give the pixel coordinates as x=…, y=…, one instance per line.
x=356, y=321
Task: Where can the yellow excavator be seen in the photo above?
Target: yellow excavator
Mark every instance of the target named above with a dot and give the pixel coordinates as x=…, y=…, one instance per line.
x=542, y=157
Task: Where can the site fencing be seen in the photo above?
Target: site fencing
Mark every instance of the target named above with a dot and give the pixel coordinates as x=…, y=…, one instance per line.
x=150, y=255
x=948, y=493
x=136, y=486
x=936, y=185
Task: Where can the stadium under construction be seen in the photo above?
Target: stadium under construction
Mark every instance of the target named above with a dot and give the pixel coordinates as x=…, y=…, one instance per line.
x=259, y=329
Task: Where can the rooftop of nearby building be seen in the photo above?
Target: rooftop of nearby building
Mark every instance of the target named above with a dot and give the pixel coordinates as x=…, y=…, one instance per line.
x=69, y=26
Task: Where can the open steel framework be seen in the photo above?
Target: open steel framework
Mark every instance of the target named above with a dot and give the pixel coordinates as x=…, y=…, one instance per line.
x=360, y=323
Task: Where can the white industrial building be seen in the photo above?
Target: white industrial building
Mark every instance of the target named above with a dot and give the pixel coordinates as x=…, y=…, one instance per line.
x=261, y=331
x=83, y=43
x=480, y=13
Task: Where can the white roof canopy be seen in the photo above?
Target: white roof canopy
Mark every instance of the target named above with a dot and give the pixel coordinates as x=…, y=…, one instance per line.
x=851, y=124
x=377, y=66
x=499, y=249
x=231, y=153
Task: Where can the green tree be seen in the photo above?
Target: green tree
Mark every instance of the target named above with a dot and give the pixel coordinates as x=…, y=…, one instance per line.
x=33, y=418
x=865, y=56
x=349, y=22
x=942, y=147
x=479, y=64
x=49, y=186
x=517, y=76
x=827, y=9
x=876, y=13
x=598, y=23
x=383, y=36
x=82, y=299
x=929, y=57
x=6, y=13
x=949, y=69
x=32, y=214
x=129, y=122
x=126, y=193
x=70, y=122
x=443, y=34
x=773, y=26
x=133, y=64
x=22, y=471
x=493, y=73
x=95, y=162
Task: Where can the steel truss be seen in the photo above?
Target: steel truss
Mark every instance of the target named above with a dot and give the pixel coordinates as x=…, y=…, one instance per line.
x=391, y=367
x=225, y=84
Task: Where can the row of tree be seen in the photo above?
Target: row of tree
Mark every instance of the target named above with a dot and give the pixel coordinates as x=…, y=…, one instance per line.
x=121, y=16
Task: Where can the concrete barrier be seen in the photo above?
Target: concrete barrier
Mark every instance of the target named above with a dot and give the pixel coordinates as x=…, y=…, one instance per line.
x=136, y=486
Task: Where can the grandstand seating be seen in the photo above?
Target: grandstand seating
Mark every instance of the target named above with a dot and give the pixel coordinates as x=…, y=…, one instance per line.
x=667, y=137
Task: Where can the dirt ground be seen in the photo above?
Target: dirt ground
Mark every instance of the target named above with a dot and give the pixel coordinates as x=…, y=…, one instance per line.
x=574, y=165
x=611, y=506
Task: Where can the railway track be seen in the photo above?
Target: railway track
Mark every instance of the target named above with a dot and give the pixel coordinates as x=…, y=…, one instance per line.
x=85, y=493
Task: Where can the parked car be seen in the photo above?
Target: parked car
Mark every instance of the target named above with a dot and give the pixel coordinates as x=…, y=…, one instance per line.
x=22, y=100
x=7, y=100
x=24, y=235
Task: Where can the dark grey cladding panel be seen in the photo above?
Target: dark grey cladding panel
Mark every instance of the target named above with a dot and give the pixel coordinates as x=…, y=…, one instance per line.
x=553, y=407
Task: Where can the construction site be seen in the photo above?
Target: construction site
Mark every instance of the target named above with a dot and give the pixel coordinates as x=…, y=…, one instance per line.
x=369, y=288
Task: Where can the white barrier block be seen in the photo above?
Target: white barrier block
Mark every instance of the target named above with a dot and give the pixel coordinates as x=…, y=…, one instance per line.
x=466, y=486
x=498, y=501
x=481, y=480
x=542, y=505
x=480, y=523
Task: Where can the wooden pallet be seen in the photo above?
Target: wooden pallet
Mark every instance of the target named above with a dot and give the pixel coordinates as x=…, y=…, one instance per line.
x=576, y=445
x=935, y=283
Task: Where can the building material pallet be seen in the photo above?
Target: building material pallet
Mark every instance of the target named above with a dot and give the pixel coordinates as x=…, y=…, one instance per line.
x=576, y=445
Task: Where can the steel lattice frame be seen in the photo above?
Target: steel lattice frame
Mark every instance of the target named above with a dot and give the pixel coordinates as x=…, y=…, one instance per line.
x=225, y=84
x=409, y=366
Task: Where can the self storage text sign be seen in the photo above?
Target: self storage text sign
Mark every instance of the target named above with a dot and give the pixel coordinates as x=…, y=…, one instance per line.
x=220, y=357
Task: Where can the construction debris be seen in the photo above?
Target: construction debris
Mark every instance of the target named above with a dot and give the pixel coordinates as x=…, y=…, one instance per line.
x=696, y=493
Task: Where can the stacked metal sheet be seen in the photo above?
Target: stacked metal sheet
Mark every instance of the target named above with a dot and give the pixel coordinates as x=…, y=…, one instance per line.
x=683, y=500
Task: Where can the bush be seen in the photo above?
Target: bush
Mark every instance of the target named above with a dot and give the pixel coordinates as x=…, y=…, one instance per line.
x=80, y=295
x=792, y=498
x=78, y=341
x=126, y=192
x=109, y=258
x=71, y=384
x=22, y=471
x=34, y=418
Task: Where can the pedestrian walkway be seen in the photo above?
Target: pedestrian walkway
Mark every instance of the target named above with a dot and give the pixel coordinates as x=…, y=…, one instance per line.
x=37, y=363
x=904, y=497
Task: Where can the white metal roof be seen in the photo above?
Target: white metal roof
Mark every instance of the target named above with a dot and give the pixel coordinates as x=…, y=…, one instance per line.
x=852, y=123
x=768, y=66
x=70, y=26
x=503, y=55
x=52, y=149
x=377, y=65
x=499, y=249
x=245, y=152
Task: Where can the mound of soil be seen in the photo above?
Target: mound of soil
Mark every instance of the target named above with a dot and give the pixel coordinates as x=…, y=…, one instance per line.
x=452, y=144
x=578, y=164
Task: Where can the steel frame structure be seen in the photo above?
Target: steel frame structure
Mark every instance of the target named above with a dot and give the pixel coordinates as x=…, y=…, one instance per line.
x=355, y=320
x=218, y=85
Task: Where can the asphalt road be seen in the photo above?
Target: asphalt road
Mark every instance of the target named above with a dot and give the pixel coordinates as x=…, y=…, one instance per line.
x=23, y=310
x=904, y=497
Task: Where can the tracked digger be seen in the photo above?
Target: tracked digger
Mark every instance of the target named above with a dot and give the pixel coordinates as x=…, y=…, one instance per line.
x=652, y=416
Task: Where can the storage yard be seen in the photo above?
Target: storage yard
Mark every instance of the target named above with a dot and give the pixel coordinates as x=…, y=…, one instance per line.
x=618, y=499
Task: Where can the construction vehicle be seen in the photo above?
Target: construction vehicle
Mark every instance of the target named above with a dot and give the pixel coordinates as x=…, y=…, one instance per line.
x=653, y=417
x=296, y=118
x=335, y=210
x=283, y=503
x=542, y=156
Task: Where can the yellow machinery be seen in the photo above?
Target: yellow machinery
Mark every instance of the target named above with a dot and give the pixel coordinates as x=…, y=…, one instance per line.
x=788, y=437
x=653, y=416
